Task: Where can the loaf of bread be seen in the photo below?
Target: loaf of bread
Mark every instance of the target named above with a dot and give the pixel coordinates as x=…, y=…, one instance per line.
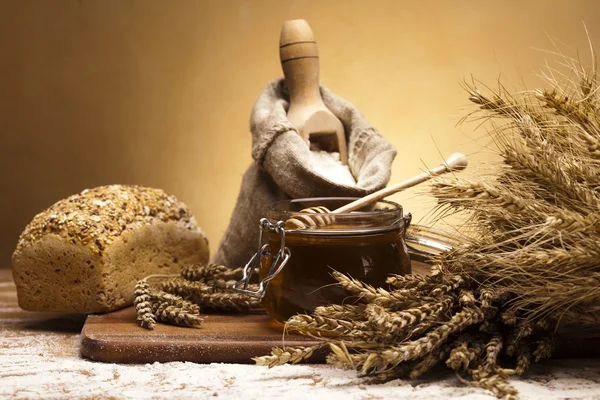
x=85, y=253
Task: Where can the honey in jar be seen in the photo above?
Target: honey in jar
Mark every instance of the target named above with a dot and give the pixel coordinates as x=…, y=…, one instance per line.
x=367, y=245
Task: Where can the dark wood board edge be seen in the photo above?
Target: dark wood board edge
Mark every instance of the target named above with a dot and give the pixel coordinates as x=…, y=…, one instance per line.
x=202, y=352
x=178, y=344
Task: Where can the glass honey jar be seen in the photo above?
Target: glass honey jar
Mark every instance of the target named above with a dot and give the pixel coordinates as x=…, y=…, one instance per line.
x=295, y=265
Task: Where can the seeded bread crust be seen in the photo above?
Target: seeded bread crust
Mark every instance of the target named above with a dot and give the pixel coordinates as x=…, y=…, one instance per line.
x=95, y=217
x=85, y=253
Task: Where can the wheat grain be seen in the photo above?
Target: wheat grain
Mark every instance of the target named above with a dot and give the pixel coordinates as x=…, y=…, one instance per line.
x=280, y=356
x=143, y=304
x=492, y=350
x=346, y=312
x=544, y=348
x=197, y=272
x=309, y=323
x=177, y=315
x=497, y=385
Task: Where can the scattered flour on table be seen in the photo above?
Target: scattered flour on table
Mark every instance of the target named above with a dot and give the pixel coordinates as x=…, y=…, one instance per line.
x=329, y=166
x=47, y=365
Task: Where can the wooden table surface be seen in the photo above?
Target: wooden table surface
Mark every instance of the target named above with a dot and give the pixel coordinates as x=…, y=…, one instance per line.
x=40, y=358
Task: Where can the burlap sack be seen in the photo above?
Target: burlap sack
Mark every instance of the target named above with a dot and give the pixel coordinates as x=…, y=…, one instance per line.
x=282, y=170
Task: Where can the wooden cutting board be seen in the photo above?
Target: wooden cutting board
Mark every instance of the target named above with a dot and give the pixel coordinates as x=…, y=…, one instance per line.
x=118, y=337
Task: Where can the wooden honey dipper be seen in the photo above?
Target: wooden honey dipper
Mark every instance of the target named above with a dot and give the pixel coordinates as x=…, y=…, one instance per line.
x=309, y=115
x=319, y=216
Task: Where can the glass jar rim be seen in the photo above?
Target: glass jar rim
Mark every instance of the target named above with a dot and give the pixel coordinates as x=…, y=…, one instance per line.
x=273, y=206
x=389, y=215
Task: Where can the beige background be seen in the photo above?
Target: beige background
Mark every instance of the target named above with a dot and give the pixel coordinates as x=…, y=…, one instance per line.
x=158, y=93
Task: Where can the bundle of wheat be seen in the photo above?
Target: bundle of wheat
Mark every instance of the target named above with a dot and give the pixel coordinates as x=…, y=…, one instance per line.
x=179, y=299
x=531, y=269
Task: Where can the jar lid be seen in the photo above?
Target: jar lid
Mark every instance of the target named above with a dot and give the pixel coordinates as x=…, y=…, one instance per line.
x=424, y=242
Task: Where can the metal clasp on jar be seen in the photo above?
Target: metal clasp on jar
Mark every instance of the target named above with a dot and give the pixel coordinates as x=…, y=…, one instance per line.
x=251, y=268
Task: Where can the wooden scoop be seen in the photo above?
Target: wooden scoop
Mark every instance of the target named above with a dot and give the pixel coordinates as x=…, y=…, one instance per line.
x=456, y=162
x=309, y=115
